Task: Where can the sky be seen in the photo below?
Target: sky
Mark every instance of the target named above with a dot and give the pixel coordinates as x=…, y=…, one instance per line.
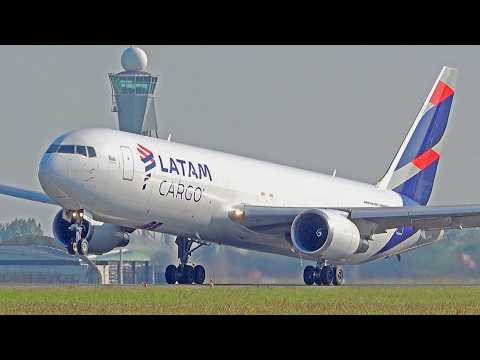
x=319, y=108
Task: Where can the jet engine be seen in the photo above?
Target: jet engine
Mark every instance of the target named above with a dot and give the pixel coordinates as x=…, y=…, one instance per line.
x=326, y=234
x=101, y=238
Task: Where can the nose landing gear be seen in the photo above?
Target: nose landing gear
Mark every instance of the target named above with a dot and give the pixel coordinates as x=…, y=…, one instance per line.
x=323, y=274
x=185, y=273
x=78, y=245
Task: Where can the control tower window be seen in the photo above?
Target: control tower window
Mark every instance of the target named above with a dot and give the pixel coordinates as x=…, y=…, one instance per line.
x=52, y=148
x=133, y=84
x=91, y=151
x=81, y=150
x=142, y=84
x=67, y=149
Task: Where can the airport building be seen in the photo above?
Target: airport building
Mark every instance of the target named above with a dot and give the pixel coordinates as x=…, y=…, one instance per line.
x=137, y=267
x=36, y=264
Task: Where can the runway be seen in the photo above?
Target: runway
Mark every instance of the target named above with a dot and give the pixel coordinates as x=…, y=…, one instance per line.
x=356, y=285
x=241, y=285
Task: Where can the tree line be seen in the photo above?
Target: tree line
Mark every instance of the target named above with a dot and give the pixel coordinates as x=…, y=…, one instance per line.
x=20, y=227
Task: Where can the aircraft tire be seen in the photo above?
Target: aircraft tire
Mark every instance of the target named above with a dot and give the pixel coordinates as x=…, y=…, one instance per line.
x=309, y=275
x=188, y=275
x=326, y=275
x=339, y=276
x=71, y=248
x=171, y=274
x=199, y=274
x=82, y=247
x=318, y=277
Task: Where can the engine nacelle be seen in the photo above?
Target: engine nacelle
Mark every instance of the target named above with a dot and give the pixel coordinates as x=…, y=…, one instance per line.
x=326, y=234
x=101, y=238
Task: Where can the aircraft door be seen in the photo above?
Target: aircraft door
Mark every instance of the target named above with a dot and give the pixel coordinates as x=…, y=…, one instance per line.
x=127, y=163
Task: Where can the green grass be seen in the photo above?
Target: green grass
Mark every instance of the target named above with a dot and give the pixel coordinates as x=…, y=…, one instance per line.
x=240, y=300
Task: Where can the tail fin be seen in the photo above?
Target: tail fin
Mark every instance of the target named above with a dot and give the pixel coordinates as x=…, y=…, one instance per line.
x=412, y=171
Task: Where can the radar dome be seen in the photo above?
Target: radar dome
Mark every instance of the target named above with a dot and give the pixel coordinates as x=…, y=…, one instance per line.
x=134, y=59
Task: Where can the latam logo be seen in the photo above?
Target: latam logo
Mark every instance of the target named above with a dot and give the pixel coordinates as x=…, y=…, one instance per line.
x=172, y=165
x=185, y=168
x=148, y=159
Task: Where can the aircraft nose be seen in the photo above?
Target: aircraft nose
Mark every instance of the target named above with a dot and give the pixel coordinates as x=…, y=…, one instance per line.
x=52, y=167
x=43, y=169
x=52, y=172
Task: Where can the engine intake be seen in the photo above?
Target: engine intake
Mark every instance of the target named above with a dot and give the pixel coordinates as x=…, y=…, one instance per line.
x=101, y=238
x=326, y=234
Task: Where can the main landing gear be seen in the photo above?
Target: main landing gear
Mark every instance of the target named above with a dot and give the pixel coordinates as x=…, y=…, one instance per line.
x=185, y=273
x=77, y=245
x=323, y=274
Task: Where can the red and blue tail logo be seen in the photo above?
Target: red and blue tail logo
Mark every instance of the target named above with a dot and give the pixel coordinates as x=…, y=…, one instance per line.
x=412, y=173
x=148, y=159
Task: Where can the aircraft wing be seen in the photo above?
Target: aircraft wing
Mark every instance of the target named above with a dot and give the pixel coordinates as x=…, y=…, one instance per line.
x=26, y=194
x=370, y=221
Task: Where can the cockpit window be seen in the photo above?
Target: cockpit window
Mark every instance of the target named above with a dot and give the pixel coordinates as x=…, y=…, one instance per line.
x=72, y=149
x=80, y=149
x=52, y=148
x=67, y=149
x=91, y=151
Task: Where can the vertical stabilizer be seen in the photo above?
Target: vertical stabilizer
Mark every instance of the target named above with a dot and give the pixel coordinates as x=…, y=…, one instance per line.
x=412, y=171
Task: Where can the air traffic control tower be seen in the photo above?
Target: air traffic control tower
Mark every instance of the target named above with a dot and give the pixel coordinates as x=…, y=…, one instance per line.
x=133, y=94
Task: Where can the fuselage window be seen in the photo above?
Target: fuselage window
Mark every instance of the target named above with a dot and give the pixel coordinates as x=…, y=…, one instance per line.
x=81, y=150
x=91, y=151
x=52, y=148
x=67, y=149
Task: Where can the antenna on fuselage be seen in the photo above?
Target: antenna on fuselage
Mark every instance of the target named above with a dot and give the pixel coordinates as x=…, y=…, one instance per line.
x=334, y=172
x=169, y=137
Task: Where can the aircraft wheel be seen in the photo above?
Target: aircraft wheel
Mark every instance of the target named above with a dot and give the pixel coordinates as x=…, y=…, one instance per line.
x=82, y=247
x=339, y=277
x=72, y=248
x=326, y=275
x=180, y=275
x=188, y=274
x=318, y=277
x=199, y=274
x=171, y=274
x=309, y=275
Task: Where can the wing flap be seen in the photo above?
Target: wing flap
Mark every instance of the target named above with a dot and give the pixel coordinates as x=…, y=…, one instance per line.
x=370, y=221
x=420, y=217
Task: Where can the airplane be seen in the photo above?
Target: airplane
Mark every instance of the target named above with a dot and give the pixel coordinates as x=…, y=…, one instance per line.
x=110, y=183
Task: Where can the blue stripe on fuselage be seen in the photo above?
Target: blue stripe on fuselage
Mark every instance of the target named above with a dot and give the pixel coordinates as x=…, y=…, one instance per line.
x=400, y=234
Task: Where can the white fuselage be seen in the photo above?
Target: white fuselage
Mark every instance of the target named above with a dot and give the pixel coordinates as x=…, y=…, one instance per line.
x=190, y=190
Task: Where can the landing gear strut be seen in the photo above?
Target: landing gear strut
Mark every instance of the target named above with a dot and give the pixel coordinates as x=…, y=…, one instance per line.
x=77, y=244
x=323, y=274
x=185, y=273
